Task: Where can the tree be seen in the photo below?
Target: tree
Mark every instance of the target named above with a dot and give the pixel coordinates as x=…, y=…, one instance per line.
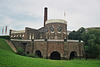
x=76, y=35
x=92, y=40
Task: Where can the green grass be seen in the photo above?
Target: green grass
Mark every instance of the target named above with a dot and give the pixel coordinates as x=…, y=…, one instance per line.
x=4, y=45
x=10, y=59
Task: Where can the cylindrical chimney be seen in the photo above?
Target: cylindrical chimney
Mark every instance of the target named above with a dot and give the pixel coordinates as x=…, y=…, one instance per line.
x=45, y=15
x=6, y=30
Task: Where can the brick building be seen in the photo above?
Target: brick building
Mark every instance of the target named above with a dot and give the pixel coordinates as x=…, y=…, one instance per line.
x=49, y=41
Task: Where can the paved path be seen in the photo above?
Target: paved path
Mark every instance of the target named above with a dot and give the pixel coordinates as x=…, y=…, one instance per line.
x=11, y=45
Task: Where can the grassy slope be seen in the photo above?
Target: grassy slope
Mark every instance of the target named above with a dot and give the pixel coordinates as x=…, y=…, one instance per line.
x=10, y=59
x=4, y=45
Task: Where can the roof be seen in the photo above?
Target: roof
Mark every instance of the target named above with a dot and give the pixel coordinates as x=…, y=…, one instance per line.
x=42, y=29
x=93, y=28
x=56, y=21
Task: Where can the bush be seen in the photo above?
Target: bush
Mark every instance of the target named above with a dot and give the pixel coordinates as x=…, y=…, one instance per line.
x=21, y=52
x=5, y=37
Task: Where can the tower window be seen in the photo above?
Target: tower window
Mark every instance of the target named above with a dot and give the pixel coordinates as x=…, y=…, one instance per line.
x=52, y=29
x=59, y=29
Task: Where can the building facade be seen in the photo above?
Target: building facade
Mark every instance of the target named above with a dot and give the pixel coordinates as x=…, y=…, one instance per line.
x=49, y=41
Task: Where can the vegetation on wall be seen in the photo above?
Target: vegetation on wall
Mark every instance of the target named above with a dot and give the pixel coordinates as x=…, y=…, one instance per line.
x=21, y=52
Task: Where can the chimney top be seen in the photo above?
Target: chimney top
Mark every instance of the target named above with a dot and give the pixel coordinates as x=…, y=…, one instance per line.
x=45, y=15
x=45, y=7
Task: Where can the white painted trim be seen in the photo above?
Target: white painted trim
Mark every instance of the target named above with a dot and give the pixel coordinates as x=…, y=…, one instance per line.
x=19, y=40
x=14, y=31
x=38, y=39
x=72, y=40
x=55, y=39
x=56, y=21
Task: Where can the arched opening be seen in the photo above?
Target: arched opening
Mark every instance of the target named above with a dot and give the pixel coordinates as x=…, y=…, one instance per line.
x=55, y=55
x=38, y=53
x=73, y=55
x=27, y=52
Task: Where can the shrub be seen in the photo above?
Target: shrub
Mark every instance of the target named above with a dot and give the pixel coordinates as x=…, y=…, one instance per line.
x=5, y=37
x=21, y=52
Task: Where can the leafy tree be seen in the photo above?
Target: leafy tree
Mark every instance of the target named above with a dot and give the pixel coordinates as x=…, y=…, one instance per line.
x=21, y=52
x=91, y=39
x=76, y=35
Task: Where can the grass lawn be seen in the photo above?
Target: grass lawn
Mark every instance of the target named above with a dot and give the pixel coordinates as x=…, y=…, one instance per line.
x=4, y=45
x=9, y=59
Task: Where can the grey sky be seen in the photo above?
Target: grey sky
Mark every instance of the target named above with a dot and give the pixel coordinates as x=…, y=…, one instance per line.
x=18, y=14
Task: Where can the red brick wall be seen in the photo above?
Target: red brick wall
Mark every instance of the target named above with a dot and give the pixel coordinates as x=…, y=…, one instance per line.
x=50, y=35
x=47, y=47
x=55, y=46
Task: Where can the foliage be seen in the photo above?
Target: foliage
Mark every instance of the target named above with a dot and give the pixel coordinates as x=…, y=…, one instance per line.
x=91, y=38
x=5, y=37
x=76, y=35
x=21, y=52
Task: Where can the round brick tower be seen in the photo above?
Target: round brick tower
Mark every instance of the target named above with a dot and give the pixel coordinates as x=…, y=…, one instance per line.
x=56, y=29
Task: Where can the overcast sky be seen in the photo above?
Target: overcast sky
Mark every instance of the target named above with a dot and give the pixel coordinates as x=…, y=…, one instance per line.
x=18, y=14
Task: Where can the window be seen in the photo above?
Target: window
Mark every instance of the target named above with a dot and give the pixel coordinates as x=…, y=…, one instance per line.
x=20, y=35
x=59, y=28
x=30, y=36
x=14, y=35
x=23, y=35
x=52, y=29
x=33, y=36
x=17, y=35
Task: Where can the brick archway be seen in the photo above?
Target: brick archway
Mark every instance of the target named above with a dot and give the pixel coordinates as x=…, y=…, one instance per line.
x=73, y=55
x=38, y=53
x=55, y=55
x=28, y=52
